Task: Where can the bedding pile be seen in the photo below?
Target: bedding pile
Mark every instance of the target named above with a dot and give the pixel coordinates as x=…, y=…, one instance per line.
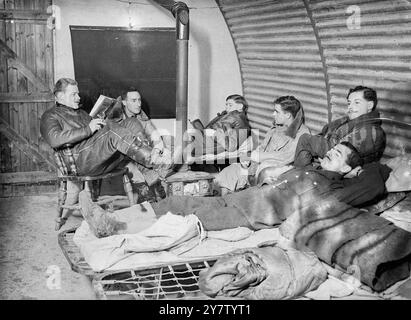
x=351, y=238
x=339, y=235
x=271, y=271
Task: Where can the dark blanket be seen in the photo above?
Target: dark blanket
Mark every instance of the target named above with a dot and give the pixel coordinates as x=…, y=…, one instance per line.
x=352, y=239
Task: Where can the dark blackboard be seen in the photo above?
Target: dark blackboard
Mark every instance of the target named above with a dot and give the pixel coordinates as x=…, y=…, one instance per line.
x=109, y=60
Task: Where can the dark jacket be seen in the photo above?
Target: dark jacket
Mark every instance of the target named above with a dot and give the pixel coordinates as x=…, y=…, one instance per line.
x=232, y=130
x=268, y=205
x=61, y=124
x=364, y=132
x=234, y=120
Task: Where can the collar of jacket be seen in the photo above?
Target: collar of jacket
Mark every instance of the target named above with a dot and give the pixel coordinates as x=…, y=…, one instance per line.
x=373, y=115
x=370, y=117
x=279, y=128
x=140, y=116
x=331, y=175
x=235, y=112
x=66, y=108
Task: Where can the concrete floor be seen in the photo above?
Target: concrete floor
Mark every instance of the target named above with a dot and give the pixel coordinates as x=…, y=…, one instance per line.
x=29, y=246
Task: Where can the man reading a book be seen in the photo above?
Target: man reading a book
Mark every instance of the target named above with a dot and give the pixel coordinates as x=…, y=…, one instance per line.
x=98, y=145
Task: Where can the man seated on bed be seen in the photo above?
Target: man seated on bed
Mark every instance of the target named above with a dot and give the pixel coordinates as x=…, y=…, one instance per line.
x=269, y=204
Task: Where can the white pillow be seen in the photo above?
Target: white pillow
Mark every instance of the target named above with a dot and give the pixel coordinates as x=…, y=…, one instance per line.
x=400, y=176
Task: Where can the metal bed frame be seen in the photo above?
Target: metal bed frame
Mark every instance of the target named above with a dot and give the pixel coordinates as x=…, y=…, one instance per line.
x=178, y=280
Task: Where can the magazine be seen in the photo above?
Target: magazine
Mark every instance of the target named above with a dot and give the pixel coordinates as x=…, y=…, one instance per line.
x=103, y=106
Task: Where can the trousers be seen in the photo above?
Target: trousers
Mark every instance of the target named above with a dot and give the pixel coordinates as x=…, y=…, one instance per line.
x=106, y=149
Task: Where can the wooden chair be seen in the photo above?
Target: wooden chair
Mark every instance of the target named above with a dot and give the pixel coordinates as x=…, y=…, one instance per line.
x=92, y=184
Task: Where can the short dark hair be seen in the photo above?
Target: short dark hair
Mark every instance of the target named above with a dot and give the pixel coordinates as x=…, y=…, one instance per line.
x=62, y=84
x=238, y=99
x=289, y=104
x=368, y=94
x=129, y=89
x=353, y=159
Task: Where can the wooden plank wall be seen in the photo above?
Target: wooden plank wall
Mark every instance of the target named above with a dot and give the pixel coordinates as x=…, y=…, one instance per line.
x=32, y=41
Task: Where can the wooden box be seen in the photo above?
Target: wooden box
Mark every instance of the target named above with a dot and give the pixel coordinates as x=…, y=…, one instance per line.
x=190, y=183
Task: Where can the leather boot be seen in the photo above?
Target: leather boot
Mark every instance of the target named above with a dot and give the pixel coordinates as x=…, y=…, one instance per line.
x=163, y=164
x=158, y=190
x=140, y=152
x=144, y=192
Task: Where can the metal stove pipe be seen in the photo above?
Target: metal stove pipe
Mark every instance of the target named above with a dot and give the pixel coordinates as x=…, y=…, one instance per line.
x=181, y=13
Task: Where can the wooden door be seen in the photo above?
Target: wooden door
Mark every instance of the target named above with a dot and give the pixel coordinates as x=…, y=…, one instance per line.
x=26, y=82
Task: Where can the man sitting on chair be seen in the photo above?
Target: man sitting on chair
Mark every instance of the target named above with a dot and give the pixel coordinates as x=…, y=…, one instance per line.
x=98, y=146
x=146, y=182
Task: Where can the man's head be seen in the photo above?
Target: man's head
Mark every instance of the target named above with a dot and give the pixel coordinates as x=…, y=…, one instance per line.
x=66, y=92
x=236, y=102
x=342, y=158
x=361, y=100
x=286, y=109
x=132, y=101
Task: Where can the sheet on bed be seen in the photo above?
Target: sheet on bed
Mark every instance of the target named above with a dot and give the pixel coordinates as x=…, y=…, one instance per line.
x=159, y=243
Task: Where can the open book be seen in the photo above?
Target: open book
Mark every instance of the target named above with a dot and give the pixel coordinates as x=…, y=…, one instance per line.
x=103, y=106
x=197, y=124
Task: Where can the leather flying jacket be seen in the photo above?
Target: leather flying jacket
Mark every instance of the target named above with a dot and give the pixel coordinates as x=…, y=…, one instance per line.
x=61, y=125
x=234, y=119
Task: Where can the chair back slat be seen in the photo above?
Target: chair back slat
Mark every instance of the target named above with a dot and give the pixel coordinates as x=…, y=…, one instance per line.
x=65, y=161
x=60, y=163
x=72, y=163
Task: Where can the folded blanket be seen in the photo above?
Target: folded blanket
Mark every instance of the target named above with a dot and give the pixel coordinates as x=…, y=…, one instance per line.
x=169, y=231
x=352, y=239
x=268, y=272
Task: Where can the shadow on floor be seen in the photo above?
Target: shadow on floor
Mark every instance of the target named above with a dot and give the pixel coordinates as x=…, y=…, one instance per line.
x=29, y=249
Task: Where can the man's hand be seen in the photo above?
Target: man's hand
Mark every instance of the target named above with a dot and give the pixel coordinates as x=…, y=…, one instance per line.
x=96, y=124
x=354, y=172
x=245, y=160
x=159, y=146
x=255, y=156
x=163, y=158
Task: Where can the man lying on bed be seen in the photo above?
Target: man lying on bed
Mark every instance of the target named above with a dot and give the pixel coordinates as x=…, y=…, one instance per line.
x=270, y=203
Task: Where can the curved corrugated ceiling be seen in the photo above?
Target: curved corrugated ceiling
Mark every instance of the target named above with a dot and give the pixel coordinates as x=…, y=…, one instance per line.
x=317, y=50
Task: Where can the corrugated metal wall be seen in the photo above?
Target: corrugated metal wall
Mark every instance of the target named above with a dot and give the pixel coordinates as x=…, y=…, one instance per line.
x=317, y=50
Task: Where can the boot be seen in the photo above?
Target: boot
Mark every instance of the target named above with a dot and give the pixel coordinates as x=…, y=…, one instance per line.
x=140, y=152
x=144, y=192
x=158, y=190
x=163, y=164
x=100, y=221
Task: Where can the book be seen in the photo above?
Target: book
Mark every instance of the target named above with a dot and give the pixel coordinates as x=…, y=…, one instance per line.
x=197, y=124
x=103, y=106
